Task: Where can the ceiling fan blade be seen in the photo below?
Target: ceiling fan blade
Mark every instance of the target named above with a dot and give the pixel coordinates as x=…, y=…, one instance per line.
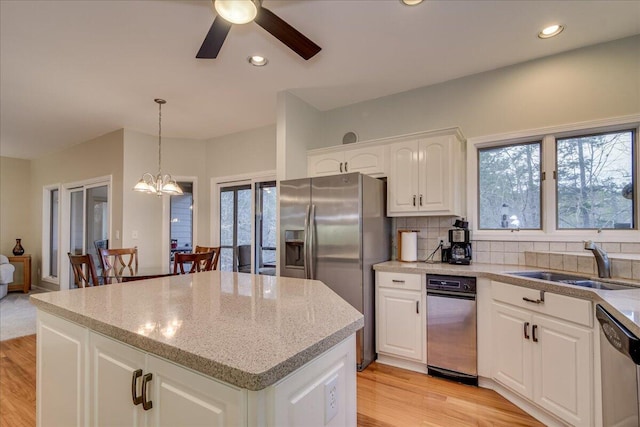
x=286, y=33
x=215, y=37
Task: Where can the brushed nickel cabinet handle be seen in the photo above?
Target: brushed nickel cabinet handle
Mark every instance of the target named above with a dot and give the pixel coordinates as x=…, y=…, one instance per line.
x=526, y=330
x=534, y=329
x=397, y=281
x=421, y=200
x=417, y=307
x=146, y=404
x=535, y=301
x=134, y=383
x=340, y=167
x=414, y=200
x=345, y=166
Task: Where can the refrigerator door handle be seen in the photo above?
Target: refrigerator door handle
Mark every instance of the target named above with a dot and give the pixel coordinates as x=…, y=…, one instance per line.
x=305, y=250
x=312, y=228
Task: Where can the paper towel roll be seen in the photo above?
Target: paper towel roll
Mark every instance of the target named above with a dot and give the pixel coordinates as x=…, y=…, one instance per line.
x=409, y=248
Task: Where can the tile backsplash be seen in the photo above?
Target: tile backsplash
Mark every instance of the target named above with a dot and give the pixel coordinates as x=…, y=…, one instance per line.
x=567, y=256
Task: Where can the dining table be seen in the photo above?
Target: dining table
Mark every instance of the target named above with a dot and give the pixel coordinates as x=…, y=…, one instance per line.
x=129, y=274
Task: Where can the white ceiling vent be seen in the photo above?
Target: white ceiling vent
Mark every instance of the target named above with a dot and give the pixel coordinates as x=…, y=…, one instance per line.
x=350, y=138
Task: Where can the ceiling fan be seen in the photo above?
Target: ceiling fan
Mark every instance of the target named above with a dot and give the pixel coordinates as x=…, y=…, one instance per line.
x=243, y=11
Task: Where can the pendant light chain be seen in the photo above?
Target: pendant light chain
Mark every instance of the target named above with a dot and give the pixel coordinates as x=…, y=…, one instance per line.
x=160, y=102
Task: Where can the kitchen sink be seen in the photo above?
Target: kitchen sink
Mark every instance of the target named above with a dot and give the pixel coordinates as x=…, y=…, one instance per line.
x=570, y=279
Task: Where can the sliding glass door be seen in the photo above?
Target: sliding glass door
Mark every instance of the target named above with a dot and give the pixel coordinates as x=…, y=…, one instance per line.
x=88, y=222
x=181, y=221
x=235, y=228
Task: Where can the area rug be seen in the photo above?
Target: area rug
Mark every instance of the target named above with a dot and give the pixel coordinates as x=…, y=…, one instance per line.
x=17, y=315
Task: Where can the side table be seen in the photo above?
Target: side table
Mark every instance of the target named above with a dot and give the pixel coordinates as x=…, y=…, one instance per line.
x=25, y=286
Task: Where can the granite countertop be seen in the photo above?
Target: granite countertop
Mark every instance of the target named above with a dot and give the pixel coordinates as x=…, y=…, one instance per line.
x=624, y=305
x=246, y=330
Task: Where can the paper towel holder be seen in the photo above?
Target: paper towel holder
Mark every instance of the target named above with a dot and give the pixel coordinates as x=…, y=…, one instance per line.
x=399, y=244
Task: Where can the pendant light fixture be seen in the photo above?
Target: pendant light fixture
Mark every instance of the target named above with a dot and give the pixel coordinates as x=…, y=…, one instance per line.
x=160, y=184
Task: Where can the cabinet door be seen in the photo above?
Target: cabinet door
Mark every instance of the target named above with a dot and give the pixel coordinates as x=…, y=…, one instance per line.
x=399, y=323
x=402, y=186
x=435, y=170
x=60, y=360
x=325, y=164
x=112, y=365
x=369, y=161
x=181, y=397
x=563, y=374
x=512, y=360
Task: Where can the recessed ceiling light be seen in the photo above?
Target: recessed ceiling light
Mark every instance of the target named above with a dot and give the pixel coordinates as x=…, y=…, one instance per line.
x=411, y=2
x=550, y=31
x=258, y=61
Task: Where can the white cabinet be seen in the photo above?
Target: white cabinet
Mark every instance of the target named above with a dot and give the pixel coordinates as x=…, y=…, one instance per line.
x=427, y=176
x=369, y=160
x=61, y=366
x=545, y=352
x=172, y=395
x=401, y=316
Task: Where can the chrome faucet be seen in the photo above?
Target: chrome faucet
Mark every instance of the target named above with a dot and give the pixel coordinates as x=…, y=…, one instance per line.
x=604, y=268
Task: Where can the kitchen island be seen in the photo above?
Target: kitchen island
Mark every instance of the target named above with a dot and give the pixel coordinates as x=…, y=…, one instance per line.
x=216, y=347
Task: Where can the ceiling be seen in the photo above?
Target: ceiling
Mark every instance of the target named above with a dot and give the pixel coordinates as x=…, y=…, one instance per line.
x=73, y=70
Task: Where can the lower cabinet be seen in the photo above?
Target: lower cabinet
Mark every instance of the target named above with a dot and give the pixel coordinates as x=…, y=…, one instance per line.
x=400, y=316
x=87, y=379
x=132, y=388
x=545, y=359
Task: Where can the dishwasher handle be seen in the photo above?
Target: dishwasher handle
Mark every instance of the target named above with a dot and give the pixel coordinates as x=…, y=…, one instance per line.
x=450, y=294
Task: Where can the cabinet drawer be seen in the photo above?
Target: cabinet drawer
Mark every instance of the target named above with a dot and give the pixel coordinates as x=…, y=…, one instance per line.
x=400, y=280
x=563, y=307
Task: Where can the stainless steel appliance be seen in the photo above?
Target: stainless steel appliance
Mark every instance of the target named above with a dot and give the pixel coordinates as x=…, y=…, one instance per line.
x=334, y=229
x=451, y=328
x=619, y=360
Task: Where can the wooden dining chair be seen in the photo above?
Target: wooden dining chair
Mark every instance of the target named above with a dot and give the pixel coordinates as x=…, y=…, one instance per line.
x=216, y=254
x=119, y=258
x=83, y=277
x=200, y=261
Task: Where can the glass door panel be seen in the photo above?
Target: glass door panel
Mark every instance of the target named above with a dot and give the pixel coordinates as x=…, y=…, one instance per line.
x=97, y=222
x=235, y=228
x=181, y=221
x=266, y=227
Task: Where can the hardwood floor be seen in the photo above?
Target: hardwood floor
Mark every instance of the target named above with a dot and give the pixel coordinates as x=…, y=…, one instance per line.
x=387, y=396
x=18, y=382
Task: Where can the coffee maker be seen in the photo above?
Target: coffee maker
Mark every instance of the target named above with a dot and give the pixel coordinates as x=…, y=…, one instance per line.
x=460, y=251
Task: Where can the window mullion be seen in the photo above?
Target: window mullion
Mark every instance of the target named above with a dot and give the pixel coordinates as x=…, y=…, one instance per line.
x=548, y=187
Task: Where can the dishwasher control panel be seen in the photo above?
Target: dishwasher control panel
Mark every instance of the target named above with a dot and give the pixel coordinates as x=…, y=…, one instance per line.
x=452, y=283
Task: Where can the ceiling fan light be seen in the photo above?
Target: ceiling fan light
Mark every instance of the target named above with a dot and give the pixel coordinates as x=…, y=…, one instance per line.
x=237, y=11
x=411, y=2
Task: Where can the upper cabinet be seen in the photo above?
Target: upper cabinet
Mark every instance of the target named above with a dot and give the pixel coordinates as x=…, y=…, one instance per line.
x=427, y=175
x=369, y=160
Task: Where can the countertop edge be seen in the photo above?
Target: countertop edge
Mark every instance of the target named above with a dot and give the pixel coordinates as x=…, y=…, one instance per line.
x=202, y=365
x=481, y=270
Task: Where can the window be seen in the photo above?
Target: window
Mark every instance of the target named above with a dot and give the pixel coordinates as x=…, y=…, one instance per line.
x=595, y=181
x=569, y=180
x=266, y=203
x=509, y=186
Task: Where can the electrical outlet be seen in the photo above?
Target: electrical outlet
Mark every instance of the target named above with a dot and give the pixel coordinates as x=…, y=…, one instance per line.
x=444, y=240
x=331, y=399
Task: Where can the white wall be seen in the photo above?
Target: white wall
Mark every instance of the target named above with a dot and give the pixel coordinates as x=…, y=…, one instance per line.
x=242, y=152
x=585, y=84
x=143, y=213
x=298, y=130
x=15, y=205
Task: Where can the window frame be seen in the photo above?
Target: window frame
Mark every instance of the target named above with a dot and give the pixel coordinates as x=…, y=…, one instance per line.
x=47, y=229
x=548, y=136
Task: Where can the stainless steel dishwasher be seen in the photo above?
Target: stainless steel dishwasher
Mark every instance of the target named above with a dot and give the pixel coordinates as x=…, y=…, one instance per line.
x=619, y=360
x=451, y=328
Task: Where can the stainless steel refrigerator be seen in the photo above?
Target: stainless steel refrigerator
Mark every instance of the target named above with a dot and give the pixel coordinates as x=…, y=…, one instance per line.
x=333, y=229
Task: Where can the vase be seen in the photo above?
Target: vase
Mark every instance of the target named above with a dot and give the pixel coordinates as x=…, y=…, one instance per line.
x=18, y=249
